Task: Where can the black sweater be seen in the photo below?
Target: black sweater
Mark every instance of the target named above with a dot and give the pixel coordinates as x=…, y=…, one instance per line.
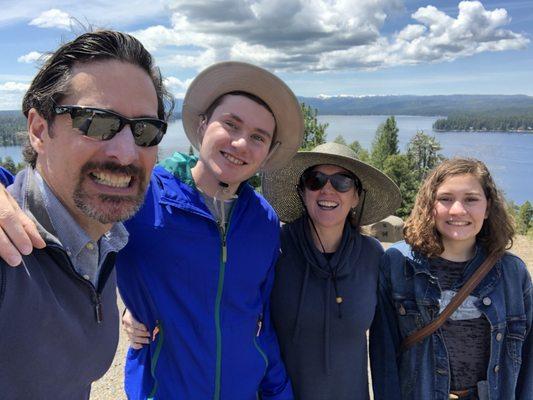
x=324, y=344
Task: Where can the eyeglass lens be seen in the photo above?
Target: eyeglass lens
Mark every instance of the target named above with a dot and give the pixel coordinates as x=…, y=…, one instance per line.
x=316, y=180
x=102, y=125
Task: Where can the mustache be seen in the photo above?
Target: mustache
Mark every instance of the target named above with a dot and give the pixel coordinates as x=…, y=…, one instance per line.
x=110, y=166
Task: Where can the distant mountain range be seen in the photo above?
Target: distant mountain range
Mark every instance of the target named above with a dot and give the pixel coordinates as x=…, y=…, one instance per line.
x=408, y=105
x=421, y=105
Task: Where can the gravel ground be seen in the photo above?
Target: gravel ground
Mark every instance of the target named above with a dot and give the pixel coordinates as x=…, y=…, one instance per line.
x=110, y=387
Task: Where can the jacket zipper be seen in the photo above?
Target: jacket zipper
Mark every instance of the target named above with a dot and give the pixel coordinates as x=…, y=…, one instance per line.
x=259, y=349
x=96, y=295
x=223, y=258
x=97, y=300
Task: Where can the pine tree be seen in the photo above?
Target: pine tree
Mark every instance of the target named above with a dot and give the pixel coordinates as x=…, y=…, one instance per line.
x=423, y=152
x=315, y=132
x=399, y=168
x=385, y=143
x=360, y=151
x=524, y=218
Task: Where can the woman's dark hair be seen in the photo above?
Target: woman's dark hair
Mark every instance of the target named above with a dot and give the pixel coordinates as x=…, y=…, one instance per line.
x=52, y=81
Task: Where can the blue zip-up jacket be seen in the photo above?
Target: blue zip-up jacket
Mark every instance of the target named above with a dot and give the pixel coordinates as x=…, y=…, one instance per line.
x=205, y=290
x=408, y=298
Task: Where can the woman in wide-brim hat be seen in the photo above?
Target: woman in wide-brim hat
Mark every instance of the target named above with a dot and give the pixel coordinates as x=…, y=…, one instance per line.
x=324, y=293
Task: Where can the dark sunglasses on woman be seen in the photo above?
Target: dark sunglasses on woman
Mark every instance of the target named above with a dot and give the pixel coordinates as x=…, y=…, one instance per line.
x=341, y=182
x=102, y=124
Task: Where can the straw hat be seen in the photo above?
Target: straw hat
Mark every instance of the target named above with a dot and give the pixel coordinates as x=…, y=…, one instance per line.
x=231, y=76
x=382, y=195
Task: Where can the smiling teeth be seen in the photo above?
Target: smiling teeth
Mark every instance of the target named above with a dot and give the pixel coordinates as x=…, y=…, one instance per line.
x=117, y=181
x=459, y=223
x=325, y=203
x=232, y=159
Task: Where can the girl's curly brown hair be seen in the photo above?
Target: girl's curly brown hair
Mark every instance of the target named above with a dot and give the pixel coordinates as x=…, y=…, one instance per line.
x=420, y=233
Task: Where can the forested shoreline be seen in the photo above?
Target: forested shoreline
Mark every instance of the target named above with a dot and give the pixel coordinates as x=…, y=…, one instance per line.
x=12, y=124
x=485, y=123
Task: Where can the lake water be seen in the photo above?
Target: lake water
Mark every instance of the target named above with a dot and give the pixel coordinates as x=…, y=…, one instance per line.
x=508, y=155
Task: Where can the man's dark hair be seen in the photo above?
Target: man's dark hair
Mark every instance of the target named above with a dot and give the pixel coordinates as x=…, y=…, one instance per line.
x=52, y=82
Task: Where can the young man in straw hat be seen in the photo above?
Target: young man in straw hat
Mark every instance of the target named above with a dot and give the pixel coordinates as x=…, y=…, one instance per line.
x=199, y=266
x=198, y=269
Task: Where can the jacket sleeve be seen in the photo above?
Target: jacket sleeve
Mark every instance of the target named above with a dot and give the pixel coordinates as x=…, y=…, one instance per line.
x=385, y=338
x=524, y=388
x=6, y=177
x=275, y=384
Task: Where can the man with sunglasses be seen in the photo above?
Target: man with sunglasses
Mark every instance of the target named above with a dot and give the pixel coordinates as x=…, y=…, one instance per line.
x=95, y=113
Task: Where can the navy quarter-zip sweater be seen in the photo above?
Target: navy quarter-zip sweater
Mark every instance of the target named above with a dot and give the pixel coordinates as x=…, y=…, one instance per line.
x=58, y=332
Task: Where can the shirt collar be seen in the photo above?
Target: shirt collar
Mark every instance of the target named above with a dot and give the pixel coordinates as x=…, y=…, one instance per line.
x=71, y=235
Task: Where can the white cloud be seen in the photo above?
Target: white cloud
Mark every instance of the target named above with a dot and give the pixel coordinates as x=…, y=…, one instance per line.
x=29, y=58
x=177, y=86
x=14, y=87
x=277, y=33
x=52, y=18
x=117, y=14
x=323, y=35
x=437, y=38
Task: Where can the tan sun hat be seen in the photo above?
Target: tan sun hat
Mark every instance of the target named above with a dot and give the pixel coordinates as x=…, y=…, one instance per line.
x=231, y=76
x=382, y=196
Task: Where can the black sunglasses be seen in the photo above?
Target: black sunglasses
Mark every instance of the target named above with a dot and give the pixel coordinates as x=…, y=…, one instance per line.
x=101, y=124
x=316, y=180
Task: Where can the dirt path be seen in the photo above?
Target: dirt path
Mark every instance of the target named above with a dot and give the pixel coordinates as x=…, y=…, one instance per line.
x=110, y=387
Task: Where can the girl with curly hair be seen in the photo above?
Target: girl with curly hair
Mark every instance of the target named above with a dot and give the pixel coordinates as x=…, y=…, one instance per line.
x=484, y=350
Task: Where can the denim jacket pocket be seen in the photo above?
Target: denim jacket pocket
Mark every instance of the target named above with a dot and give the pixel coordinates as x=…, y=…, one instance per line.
x=408, y=314
x=516, y=334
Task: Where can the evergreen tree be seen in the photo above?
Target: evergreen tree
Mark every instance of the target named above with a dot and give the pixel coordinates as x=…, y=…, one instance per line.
x=360, y=151
x=8, y=163
x=422, y=151
x=385, y=143
x=340, y=139
x=524, y=217
x=315, y=132
x=399, y=168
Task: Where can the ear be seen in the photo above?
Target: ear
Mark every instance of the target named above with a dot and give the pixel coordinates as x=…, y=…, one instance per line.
x=37, y=130
x=201, y=128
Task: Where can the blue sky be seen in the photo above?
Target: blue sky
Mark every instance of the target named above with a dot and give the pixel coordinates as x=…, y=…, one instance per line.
x=319, y=47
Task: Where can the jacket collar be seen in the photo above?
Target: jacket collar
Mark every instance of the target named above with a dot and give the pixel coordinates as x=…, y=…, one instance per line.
x=419, y=264
x=177, y=188
x=26, y=192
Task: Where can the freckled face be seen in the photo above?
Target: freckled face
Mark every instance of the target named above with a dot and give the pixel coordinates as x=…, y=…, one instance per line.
x=327, y=207
x=460, y=209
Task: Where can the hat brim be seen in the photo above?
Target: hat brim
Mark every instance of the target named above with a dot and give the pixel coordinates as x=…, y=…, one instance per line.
x=231, y=76
x=382, y=197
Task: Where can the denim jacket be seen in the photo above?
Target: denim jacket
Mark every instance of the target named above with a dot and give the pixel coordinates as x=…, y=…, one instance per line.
x=408, y=298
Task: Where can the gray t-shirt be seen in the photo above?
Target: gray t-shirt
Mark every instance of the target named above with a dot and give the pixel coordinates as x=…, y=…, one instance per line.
x=220, y=209
x=466, y=333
